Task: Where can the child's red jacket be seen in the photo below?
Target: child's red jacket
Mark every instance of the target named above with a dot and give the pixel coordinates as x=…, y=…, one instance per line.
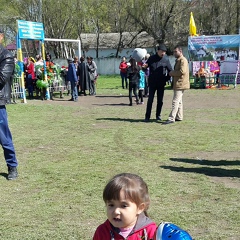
x=144, y=230
x=123, y=67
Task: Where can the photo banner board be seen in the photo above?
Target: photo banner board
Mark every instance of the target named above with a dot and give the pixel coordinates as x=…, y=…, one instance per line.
x=214, y=48
x=224, y=49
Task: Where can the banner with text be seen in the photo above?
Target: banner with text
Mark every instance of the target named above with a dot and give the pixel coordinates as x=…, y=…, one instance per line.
x=224, y=49
x=218, y=48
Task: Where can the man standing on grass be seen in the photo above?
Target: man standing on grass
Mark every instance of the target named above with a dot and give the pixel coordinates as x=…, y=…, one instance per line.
x=181, y=82
x=6, y=71
x=159, y=68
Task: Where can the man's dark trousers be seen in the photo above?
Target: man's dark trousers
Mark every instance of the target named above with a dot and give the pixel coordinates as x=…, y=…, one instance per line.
x=6, y=139
x=160, y=94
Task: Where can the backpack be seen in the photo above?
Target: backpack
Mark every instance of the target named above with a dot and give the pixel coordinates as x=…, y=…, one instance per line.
x=167, y=231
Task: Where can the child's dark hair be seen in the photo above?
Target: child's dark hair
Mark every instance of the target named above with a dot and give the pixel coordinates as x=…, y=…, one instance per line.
x=133, y=186
x=133, y=65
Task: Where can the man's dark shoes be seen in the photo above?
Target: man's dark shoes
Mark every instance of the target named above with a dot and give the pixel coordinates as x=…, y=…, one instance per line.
x=158, y=119
x=178, y=120
x=12, y=173
x=146, y=120
x=168, y=122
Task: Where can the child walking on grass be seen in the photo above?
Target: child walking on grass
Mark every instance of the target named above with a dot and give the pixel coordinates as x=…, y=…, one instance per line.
x=141, y=85
x=133, y=76
x=127, y=201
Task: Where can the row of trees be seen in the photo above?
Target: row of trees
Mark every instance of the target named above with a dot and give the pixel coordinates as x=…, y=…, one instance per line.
x=166, y=21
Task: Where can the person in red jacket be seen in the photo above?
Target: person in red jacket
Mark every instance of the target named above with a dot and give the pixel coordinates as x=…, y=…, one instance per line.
x=30, y=76
x=123, y=71
x=127, y=200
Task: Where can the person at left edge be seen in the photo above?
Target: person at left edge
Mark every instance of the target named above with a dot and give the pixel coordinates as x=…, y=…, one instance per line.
x=6, y=71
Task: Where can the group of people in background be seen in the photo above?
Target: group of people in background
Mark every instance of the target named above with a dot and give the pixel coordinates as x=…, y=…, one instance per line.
x=33, y=72
x=82, y=76
x=135, y=78
x=150, y=76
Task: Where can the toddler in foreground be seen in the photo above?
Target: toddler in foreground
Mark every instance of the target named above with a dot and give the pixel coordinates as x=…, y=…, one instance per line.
x=127, y=201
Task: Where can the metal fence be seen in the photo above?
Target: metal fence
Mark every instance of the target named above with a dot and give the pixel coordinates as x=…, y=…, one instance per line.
x=18, y=91
x=60, y=85
x=208, y=82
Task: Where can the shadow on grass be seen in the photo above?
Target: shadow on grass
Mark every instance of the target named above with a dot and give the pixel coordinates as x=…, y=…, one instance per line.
x=209, y=171
x=212, y=172
x=111, y=104
x=111, y=96
x=111, y=88
x=124, y=119
x=4, y=175
x=207, y=162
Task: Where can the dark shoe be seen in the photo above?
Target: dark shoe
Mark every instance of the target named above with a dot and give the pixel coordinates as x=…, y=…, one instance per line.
x=158, y=119
x=130, y=104
x=178, y=120
x=70, y=99
x=168, y=122
x=146, y=120
x=12, y=173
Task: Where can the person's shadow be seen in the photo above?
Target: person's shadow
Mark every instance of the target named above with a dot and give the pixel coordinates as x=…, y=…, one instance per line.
x=208, y=169
x=121, y=119
x=207, y=162
x=3, y=174
x=110, y=104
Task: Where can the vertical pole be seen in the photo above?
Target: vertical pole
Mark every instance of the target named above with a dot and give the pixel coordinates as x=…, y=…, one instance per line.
x=45, y=70
x=79, y=49
x=40, y=20
x=20, y=60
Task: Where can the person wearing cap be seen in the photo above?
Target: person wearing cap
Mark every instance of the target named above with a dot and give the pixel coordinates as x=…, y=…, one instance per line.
x=72, y=77
x=159, y=68
x=6, y=71
x=181, y=83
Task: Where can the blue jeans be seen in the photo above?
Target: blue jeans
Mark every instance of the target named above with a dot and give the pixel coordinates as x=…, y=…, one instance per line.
x=6, y=139
x=74, y=91
x=124, y=78
x=30, y=85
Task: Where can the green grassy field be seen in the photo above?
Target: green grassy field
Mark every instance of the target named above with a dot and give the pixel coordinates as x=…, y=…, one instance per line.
x=67, y=153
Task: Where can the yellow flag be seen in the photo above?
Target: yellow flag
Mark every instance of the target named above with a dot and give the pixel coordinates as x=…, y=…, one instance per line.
x=192, y=26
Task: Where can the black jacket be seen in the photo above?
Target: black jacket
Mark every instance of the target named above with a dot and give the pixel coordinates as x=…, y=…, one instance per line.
x=133, y=77
x=6, y=72
x=159, y=67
